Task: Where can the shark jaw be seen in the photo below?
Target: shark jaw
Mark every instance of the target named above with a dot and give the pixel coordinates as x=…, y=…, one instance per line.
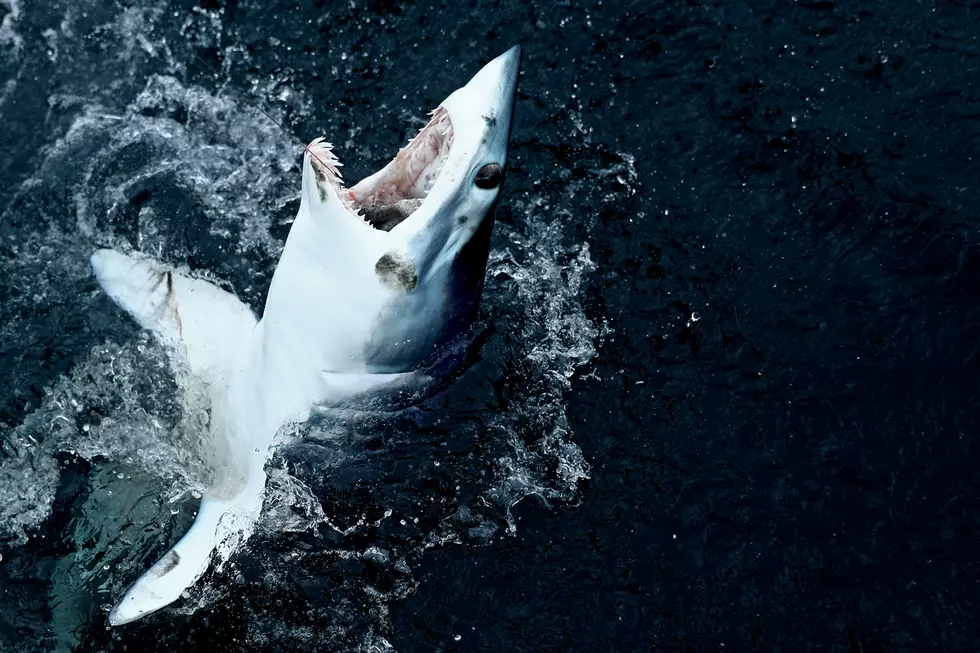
x=386, y=198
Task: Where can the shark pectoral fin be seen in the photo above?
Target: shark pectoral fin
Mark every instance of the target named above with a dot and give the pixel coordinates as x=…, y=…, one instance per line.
x=351, y=384
x=364, y=390
x=163, y=583
x=210, y=323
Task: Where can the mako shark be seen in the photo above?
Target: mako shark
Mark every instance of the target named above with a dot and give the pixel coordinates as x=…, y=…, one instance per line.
x=373, y=282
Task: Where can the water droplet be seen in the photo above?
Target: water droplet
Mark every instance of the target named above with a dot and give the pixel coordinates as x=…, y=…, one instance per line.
x=457, y=637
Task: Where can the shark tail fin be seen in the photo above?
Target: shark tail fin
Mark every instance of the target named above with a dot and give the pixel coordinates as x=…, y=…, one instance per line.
x=208, y=323
x=181, y=566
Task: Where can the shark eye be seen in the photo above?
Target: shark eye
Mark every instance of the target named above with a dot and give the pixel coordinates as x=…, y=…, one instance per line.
x=488, y=177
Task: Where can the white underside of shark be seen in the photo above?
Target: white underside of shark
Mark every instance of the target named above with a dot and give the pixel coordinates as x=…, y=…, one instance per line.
x=373, y=281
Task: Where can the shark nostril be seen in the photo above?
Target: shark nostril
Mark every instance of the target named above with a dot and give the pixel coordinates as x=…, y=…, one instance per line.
x=488, y=177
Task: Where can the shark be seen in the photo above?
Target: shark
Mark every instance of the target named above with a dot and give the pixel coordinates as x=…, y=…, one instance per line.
x=374, y=283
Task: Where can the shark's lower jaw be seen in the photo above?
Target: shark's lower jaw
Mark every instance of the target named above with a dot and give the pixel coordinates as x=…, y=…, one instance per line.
x=386, y=198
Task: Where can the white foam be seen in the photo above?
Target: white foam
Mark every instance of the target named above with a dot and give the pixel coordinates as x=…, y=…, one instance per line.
x=9, y=38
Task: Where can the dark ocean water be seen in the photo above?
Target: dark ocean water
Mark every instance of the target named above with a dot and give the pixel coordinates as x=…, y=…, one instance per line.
x=725, y=394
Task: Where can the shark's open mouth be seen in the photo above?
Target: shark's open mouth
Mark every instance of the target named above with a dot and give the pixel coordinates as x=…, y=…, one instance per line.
x=390, y=195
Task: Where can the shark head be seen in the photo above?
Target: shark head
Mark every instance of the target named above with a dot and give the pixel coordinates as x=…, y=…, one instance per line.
x=442, y=187
x=399, y=258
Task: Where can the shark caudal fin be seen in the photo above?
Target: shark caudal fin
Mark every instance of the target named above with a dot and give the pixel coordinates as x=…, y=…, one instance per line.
x=209, y=324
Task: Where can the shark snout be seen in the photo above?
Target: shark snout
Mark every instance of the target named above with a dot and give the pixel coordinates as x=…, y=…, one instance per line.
x=497, y=82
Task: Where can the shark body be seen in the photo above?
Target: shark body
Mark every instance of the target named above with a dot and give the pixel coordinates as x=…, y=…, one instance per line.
x=373, y=283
